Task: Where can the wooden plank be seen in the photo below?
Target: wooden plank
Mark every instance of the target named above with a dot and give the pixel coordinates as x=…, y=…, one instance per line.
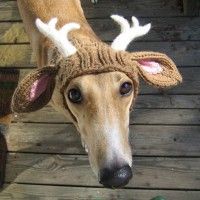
x=143, y=8
x=163, y=29
x=149, y=172
x=168, y=101
x=9, y=11
x=15, y=56
x=183, y=53
x=22, y=191
x=12, y=33
x=191, y=7
x=139, y=116
x=145, y=140
x=190, y=85
x=167, y=29
x=105, y=8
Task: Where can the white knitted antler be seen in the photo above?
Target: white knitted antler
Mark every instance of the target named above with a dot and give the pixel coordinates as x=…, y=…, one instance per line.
x=58, y=37
x=128, y=33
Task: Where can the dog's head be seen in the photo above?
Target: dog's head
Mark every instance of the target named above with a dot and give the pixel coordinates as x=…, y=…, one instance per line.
x=95, y=87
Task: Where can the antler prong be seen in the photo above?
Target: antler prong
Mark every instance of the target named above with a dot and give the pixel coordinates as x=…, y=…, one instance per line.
x=128, y=33
x=58, y=37
x=135, y=22
x=124, y=24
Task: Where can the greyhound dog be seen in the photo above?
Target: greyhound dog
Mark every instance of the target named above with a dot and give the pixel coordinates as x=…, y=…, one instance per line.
x=93, y=84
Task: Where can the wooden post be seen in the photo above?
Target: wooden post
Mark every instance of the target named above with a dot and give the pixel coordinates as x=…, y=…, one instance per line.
x=191, y=7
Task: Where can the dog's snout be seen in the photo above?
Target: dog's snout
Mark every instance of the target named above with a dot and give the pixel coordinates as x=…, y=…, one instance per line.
x=115, y=178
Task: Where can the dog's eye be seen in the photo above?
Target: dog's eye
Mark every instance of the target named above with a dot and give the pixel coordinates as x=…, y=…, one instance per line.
x=126, y=88
x=75, y=95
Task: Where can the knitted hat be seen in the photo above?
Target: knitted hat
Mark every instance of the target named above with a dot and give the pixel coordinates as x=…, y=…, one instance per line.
x=90, y=56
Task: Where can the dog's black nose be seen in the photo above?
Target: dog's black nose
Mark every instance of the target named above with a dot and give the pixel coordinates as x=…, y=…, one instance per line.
x=115, y=178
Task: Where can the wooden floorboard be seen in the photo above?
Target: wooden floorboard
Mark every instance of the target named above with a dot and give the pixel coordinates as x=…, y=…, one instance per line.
x=145, y=140
x=191, y=7
x=163, y=29
x=46, y=160
x=31, y=192
x=190, y=85
x=149, y=172
x=20, y=55
x=168, y=101
x=105, y=8
x=138, y=116
x=173, y=98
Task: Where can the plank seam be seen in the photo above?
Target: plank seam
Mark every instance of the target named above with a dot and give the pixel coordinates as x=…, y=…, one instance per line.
x=85, y=155
x=99, y=187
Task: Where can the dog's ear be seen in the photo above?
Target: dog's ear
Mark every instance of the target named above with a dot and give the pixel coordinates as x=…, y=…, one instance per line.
x=157, y=69
x=34, y=91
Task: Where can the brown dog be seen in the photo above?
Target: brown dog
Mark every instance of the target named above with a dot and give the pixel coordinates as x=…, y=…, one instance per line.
x=94, y=85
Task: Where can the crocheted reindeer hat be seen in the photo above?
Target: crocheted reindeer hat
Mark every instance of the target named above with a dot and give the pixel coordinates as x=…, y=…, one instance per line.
x=89, y=56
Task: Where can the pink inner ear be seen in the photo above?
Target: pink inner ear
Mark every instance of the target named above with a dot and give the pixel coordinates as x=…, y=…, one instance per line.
x=151, y=67
x=38, y=87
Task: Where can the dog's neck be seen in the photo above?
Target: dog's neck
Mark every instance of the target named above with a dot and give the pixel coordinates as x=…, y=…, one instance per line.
x=71, y=12
x=66, y=11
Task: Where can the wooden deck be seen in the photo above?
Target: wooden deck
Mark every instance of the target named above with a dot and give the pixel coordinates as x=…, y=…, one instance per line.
x=45, y=158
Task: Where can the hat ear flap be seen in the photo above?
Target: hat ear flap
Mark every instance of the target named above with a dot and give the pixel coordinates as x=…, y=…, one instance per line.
x=157, y=69
x=34, y=91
